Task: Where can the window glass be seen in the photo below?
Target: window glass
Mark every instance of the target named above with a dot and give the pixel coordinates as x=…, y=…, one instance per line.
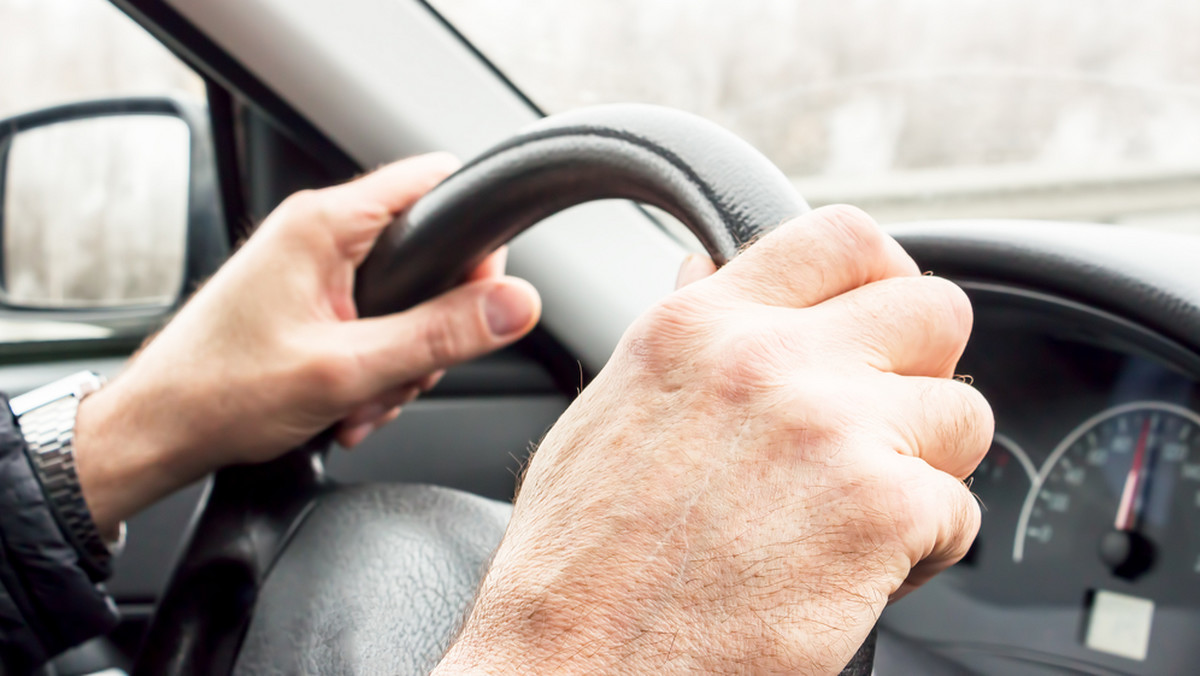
x=95, y=212
x=61, y=51
x=933, y=108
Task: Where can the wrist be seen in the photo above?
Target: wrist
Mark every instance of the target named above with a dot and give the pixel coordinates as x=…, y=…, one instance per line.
x=519, y=634
x=123, y=460
x=537, y=628
x=497, y=651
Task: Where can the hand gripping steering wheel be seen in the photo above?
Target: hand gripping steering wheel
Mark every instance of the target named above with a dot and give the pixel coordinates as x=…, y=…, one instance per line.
x=287, y=572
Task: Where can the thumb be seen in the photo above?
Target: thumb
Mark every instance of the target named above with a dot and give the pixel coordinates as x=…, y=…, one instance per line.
x=355, y=213
x=461, y=324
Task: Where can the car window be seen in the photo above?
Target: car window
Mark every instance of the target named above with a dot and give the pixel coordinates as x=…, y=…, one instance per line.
x=94, y=210
x=61, y=51
x=936, y=108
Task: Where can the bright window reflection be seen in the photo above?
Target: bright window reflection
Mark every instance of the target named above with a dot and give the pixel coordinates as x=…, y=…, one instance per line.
x=1023, y=108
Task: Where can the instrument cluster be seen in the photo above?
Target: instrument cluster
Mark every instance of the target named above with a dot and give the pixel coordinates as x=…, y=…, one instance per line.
x=1088, y=556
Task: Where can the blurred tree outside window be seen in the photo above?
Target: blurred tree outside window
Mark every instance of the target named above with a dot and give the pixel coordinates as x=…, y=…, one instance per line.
x=59, y=51
x=54, y=52
x=1054, y=109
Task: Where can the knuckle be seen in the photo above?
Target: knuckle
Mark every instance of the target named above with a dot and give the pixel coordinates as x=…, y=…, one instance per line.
x=949, y=303
x=893, y=508
x=855, y=234
x=936, y=302
x=978, y=423
x=826, y=409
x=300, y=211
x=869, y=315
x=954, y=516
x=933, y=513
x=370, y=213
x=332, y=374
x=958, y=433
x=964, y=524
x=850, y=221
x=665, y=332
x=888, y=504
x=930, y=316
x=744, y=359
x=936, y=515
x=301, y=202
x=683, y=340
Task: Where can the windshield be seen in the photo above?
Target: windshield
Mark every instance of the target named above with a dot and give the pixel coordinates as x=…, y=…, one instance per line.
x=934, y=108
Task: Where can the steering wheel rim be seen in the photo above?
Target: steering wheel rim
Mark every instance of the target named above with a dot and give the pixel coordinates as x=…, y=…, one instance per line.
x=716, y=184
x=720, y=187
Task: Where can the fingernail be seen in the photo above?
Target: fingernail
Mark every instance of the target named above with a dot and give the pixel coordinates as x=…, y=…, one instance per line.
x=501, y=255
x=508, y=309
x=685, y=269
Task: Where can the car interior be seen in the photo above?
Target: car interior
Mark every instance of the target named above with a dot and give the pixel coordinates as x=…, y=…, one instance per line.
x=1086, y=339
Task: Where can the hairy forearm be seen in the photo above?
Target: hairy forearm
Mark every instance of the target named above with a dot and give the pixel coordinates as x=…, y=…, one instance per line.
x=521, y=641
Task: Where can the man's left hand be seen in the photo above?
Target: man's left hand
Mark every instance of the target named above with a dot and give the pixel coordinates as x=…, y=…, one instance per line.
x=271, y=351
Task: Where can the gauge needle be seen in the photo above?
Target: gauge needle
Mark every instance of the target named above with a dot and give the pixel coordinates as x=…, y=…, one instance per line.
x=1127, y=511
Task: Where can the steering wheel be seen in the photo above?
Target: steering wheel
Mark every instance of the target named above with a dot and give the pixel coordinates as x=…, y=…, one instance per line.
x=287, y=572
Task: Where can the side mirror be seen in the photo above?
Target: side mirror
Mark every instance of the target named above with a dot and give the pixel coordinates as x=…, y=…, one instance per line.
x=107, y=208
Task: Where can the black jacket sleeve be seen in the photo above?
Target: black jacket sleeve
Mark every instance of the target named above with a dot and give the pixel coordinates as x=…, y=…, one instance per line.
x=47, y=601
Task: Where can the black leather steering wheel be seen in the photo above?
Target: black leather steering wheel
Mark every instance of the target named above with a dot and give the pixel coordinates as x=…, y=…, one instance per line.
x=287, y=572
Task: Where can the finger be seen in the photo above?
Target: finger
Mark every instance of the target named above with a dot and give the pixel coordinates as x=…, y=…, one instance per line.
x=430, y=381
x=909, y=325
x=361, y=432
x=388, y=417
x=397, y=185
x=355, y=213
x=814, y=257
x=350, y=437
x=459, y=325
x=364, y=419
x=947, y=423
x=492, y=266
x=380, y=405
x=948, y=504
x=694, y=268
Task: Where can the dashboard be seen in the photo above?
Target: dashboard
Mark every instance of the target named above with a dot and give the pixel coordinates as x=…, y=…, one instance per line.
x=1088, y=556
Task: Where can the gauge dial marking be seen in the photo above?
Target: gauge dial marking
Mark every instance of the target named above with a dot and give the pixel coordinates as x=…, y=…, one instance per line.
x=1017, y=452
x=1137, y=460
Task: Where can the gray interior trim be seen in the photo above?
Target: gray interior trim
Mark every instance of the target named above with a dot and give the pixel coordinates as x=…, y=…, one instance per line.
x=152, y=543
x=427, y=444
x=501, y=373
x=385, y=79
x=20, y=378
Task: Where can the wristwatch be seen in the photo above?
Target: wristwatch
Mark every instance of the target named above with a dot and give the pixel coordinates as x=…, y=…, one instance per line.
x=46, y=417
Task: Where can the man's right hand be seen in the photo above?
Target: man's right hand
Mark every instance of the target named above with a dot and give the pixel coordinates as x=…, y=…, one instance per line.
x=773, y=453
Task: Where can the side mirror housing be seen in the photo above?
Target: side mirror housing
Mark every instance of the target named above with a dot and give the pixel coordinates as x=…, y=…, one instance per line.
x=109, y=212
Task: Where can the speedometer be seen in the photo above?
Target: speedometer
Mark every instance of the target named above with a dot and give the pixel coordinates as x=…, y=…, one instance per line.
x=1119, y=486
x=1000, y=483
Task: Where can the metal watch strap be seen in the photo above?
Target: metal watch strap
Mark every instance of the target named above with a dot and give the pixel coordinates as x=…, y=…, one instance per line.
x=49, y=431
